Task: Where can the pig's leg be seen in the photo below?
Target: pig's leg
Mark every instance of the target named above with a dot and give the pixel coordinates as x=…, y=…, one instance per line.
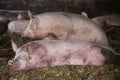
x=91, y=56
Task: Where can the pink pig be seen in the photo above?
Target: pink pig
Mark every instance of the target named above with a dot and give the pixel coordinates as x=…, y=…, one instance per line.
x=43, y=53
x=64, y=26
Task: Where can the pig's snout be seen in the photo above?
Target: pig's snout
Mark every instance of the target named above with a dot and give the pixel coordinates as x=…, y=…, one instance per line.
x=13, y=64
x=10, y=62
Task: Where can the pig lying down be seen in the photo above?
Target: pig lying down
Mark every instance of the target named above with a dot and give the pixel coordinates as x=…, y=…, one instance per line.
x=43, y=53
x=65, y=26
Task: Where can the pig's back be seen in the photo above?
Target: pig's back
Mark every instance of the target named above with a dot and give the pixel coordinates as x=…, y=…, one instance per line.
x=63, y=16
x=51, y=19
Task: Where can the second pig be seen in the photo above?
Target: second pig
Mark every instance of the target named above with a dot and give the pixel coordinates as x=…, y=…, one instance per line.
x=64, y=26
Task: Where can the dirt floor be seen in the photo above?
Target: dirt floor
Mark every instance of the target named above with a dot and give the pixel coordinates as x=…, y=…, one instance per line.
x=106, y=72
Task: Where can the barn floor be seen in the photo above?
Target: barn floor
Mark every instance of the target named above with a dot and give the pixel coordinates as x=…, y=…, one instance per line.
x=106, y=72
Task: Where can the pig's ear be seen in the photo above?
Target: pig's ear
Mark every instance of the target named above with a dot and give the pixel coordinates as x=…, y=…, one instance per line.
x=30, y=14
x=14, y=45
x=84, y=14
x=31, y=47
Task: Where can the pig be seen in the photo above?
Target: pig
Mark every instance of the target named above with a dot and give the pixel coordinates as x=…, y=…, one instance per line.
x=17, y=26
x=3, y=25
x=65, y=26
x=109, y=20
x=41, y=53
x=13, y=14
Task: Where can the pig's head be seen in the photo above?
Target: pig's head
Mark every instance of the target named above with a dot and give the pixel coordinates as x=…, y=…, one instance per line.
x=24, y=59
x=31, y=30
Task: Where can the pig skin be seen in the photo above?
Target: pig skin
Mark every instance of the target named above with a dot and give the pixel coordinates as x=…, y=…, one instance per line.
x=43, y=53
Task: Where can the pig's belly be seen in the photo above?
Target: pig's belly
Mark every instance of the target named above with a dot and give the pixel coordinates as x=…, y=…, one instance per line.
x=77, y=62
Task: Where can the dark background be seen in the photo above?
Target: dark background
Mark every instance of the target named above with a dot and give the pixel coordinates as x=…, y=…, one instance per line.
x=92, y=7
